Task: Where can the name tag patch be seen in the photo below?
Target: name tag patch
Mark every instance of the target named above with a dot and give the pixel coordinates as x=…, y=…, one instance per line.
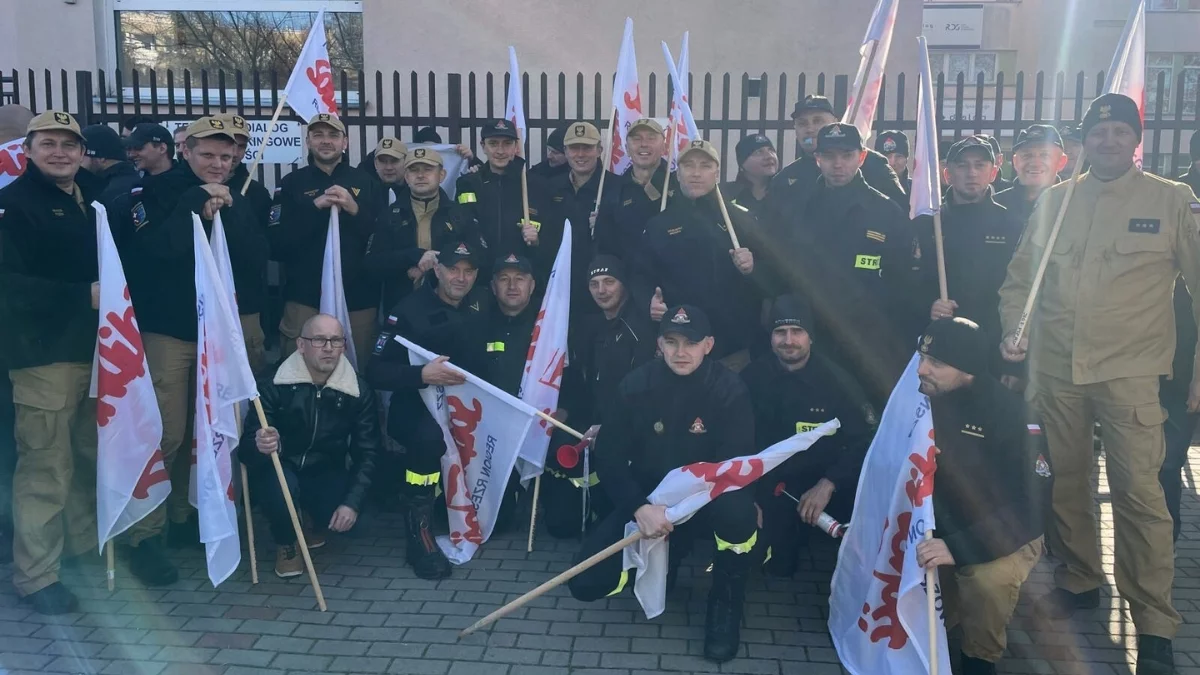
x=1144, y=225
x=866, y=262
x=805, y=427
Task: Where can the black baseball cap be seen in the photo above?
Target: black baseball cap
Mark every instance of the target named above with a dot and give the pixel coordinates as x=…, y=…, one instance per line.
x=556, y=137
x=103, y=143
x=1071, y=132
x=687, y=320
x=150, y=133
x=791, y=310
x=889, y=142
x=512, y=261
x=994, y=142
x=1038, y=133
x=838, y=136
x=971, y=144
x=499, y=129
x=957, y=342
x=459, y=251
x=812, y=103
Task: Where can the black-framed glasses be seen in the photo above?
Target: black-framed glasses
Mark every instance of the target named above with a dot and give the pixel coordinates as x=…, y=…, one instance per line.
x=322, y=342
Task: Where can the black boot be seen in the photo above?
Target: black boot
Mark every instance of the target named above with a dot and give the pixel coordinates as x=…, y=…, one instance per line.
x=1155, y=656
x=185, y=534
x=53, y=599
x=1061, y=603
x=723, y=622
x=148, y=562
x=974, y=666
x=421, y=551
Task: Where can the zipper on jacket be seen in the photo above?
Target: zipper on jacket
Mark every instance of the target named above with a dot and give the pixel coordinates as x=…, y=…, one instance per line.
x=316, y=420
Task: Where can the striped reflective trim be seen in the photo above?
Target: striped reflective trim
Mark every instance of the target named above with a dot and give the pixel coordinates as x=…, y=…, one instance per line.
x=877, y=236
x=743, y=547
x=592, y=481
x=495, y=347
x=866, y=262
x=620, y=584
x=413, y=478
x=466, y=198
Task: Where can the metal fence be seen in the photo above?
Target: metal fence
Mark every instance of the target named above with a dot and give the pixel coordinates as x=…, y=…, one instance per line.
x=726, y=106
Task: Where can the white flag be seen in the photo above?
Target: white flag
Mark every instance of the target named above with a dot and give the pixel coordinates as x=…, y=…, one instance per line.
x=515, y=100
x=483, y=428
x=546, y=359
x=220, y=252
x=310, y=89
x=626, y=102
x=12, y=161
x=333, y=293
x=877, y=609
x=690, y=488
x=1127, y=73
x=223, y=379
x=685, y=125
x=452, y=162
x=864, y=96
x=679, y=134
x=131, y=479
x=926, y=193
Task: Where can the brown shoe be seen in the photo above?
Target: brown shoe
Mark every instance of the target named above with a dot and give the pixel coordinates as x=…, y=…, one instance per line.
x=288, y=562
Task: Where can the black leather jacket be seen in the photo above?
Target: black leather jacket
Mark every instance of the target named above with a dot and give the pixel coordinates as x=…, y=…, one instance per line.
x=319, y=425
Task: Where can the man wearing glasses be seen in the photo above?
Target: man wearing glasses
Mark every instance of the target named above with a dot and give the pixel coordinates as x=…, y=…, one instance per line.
x=320, y=411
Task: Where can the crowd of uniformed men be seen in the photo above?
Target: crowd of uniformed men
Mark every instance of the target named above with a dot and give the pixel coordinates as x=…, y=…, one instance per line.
x=683, y=346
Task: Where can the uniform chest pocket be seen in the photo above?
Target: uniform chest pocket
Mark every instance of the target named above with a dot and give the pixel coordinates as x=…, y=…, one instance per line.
x=1136, y=244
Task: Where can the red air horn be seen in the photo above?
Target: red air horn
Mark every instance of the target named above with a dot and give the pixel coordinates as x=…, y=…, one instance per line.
x=568, y=455
x=825, y=522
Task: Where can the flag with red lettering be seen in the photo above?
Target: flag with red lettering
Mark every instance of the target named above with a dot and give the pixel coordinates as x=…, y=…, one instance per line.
x=484, y=429
x=223, y=379
x=310, y=89
x=878, y=616
x=926, y=195
x=690, y=488
x=626, y=102
x=333, y=293
x=12, y=161
x=1127, y=72
x=131, y=479
x=864, y=95
x=546, y=358
x=679, y=134
x=514, y=110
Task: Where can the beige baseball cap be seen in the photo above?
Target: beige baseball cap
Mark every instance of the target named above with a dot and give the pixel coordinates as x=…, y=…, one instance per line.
x=701, y=146
x=235, y=122
x=582, y=133
x=54, y=120
x=646, y=123
x=208, y=127
x=423, y=156
x=328, y=119
x=391, y=147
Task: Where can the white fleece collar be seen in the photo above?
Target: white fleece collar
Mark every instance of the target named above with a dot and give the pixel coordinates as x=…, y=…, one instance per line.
x=294, y=371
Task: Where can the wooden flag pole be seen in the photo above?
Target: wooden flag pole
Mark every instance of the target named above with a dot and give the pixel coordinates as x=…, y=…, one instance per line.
x=671, y=156
x=1045, y=262
x=262, y=149
x=939, y=246
x=604, y=157
x=725, y=215
x=537, y=482
x=249, y=525
x=287, y=498
x=111, y=564
x=931, y=605
x=552, y=584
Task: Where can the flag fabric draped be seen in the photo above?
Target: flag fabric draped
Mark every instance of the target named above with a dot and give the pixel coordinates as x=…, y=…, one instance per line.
x=877, y=608
x=864, y=96
x=926, y=196
x=514, y=109
x=685, y=126
x=679, y=134
x=223, y=379
x=484, y=429
x=310, y=88
x=1127, y=73
x=12, y=161
x=220, y=251
x=688, y=489
x=626, y=102
x=333, y=293
x=546, y=358
x=452, y=162
x=131, y=479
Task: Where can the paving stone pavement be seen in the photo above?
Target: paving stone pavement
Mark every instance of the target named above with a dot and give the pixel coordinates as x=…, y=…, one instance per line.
x=382, y=619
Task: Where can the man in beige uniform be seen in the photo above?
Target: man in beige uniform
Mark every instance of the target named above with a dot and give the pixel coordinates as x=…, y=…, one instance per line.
x=1102, y=333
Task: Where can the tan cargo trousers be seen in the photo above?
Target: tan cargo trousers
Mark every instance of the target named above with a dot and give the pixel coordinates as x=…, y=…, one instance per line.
x=981, y=598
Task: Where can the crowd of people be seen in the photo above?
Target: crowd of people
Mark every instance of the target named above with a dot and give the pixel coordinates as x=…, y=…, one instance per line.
x=684, y=346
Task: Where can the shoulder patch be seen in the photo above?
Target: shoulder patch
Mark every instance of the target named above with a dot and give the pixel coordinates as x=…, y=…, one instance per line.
x=273, y=218
x=137, y=190
x=382, y=341
x=139, y=216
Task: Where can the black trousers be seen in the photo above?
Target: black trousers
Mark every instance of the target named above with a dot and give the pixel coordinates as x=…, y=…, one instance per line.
x=1177, y=430
x=730, y=518
x=784, y=534
x=316, y=490
x=8, y=451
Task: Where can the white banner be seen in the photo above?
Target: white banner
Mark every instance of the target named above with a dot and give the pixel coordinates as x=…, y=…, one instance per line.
x=12, y=161
x=876, y=44
x=626, y=102
x=333, y=293
x=877, y=608
x=679, y=134
x=286, y=145
x=514, y=110
x=310, y=89
x=128, y=423
x=483, y=429
x=452, y=162
x=925, y=197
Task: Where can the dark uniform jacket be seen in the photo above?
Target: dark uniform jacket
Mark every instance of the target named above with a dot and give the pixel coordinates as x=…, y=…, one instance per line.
x=791, y=402
x=545, y=171
x=741, y=192
x=991, y=474
x=48, y=262
x=319, y=425
x=492, y=203
x=793, y=186
x=625, y=210
x=252, y=287
x=574, y=205
x=298, y=231
x=661, y=422
x=1001, y=183
x=112, y=182
x=607, y=351
x=1016, y=200
x=685, y=252
x=443, y=329
x=1192, y=178
x=158, y=252
x=504, y=346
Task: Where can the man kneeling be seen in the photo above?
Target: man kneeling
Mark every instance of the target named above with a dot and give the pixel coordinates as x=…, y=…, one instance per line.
x=681, y=410
x=319, y=411
x=988, y=495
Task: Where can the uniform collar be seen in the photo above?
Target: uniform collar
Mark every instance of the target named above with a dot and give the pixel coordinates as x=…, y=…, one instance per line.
x=35, y=176
x=1097, y=186
x=295, y=371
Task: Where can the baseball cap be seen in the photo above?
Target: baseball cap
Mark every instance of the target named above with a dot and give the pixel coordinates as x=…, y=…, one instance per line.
x=513, y=261
x=458, y=251
x=1038, y=133
x=235, y=122
x=1071, y=132
x=646, y=123
x=391, y=147
x=555, y=139
x=582, y=133
x=701, y=146
x=889, y=142
x=499, y=129
x=423, y=156
x=971, y=144
x=150, y=133
x=328, y=119
x=103, y=143
x=209, y=127
x=791, y=310
x=838, y=136
x=54, y=120
x=812, y=103
x=957, y=342
x=687, y=320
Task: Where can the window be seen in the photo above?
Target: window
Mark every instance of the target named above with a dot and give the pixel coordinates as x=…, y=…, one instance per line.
x=969, y=63
x=1171, y=66
x=1173, y=6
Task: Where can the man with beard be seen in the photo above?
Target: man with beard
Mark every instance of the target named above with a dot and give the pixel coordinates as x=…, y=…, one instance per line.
x=757, y=164
x=632, y=199
x=556, y=157
x=1039, y=158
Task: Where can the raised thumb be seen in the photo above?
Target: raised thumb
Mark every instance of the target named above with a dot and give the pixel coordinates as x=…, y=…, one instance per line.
x=658, y=294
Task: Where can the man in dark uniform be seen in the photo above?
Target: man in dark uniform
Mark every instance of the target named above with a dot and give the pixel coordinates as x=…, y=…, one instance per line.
x=681, y=410
x=556, y=157
x=158, y=256
x=632, y=199
x=1192, y=177
x=999, y=183
x=992, y=482
x=1173, y=396
x=1073, y=145
x=300, y=226
x=48, y=296
x=437, y=317
x=793, y=186
x=105, y=160
x=686, y=256
x=386, y=163
x=573, y=196
x=792, y=391
x=757, y=164
x=1038, y=158
x=894, y=146
x=152, y=149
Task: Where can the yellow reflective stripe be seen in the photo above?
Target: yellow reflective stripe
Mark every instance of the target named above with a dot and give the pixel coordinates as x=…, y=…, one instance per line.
x=768, y=558
x=413, y=478
x=495, y=346
x=620, y=584
x=866, y=262
x=805, y=427
x=466, y=198
x=536, y=225
x=592, y=481
x=743, y=547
